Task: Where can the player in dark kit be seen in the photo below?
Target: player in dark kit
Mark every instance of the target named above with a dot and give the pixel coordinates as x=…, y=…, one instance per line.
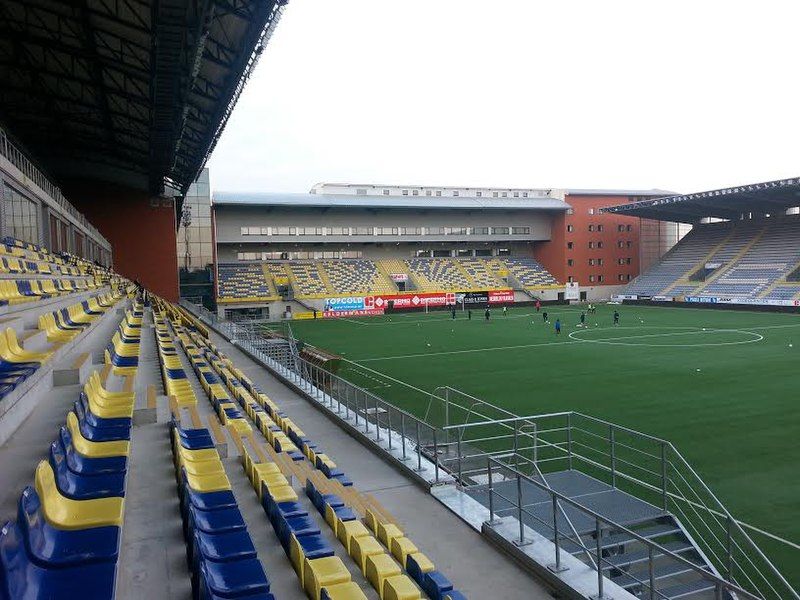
x=616, y=318
x=486, y=314
x=544, y=316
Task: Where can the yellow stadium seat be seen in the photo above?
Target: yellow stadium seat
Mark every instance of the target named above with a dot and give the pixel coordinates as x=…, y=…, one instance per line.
x=64, y=513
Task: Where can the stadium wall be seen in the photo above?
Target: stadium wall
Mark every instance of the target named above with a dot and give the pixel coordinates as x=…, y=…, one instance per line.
x=574, y=227
x=141, y=229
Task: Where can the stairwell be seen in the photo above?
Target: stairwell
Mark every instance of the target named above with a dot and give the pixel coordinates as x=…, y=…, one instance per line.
x=385, y=270
x=323, y=275
x=273, y=290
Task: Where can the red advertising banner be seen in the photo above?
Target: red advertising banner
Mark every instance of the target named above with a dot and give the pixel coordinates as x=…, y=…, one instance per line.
x=501, y=297
x=433, y=299
x=368, y=312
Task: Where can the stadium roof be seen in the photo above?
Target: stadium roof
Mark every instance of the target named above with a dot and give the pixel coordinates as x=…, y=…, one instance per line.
x=132, y=92
x=727, y=203
x=386, y=202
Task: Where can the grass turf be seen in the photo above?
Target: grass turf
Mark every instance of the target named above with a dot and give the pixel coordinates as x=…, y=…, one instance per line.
x=725, y=399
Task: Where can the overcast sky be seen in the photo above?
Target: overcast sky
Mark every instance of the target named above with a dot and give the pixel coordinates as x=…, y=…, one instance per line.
x=684, y=95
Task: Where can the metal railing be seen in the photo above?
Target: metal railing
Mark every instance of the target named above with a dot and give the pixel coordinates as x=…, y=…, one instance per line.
x=648, y=468
x=18, y=158
x=657, y=554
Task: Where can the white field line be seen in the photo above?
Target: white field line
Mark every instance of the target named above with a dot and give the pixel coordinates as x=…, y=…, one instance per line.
x=572, y=340
x=426, y=393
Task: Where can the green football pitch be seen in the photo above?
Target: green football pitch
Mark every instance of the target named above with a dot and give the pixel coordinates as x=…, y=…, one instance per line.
x=722, y=386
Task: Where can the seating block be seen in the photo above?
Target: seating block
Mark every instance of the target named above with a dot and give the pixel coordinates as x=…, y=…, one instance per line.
x=362, y=547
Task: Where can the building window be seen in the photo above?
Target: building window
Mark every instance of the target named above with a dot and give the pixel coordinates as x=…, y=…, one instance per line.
x=455, y=193
x=524, y=194
x=599, y=244
x=494, y=194
x=415, y=193
x=570, y=279
x=628, y=276
x=591, y=211
x=569, y=245
x=629, y=244
x=620, y=228
x=521, y=230
x=599, y=228
x=599, y=262
x=570, y=262
x=627, y=261
x=629, y=228
x=505, y=194
x=620, y=244
x=591, y=245
x=480, y=231
x=516, y=194
x=620, y=277
x=405, y=192
x=570, y=228
x=361, y=192
x=570, y=211
x=591, y=227
x=591, y=262
x=599, y=279
x=385, y=192
x=478, y=194
x=427, y=192
x=438, y=192
x=591, y=278
x=499, y=230
x=503, y=252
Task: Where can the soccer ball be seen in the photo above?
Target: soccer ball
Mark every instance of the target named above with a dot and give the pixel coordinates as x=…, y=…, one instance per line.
x=428, y=345
x=698, y=370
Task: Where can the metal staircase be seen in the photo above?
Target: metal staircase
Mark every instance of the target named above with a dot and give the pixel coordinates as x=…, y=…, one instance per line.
x=610, y=496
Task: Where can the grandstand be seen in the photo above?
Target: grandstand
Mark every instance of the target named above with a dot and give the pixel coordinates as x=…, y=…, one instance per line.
x=752, y=257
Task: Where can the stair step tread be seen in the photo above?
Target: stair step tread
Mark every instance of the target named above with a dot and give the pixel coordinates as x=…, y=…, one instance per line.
x=686, y=590
x=627, y=580
x=623, y=560
x=621, y=538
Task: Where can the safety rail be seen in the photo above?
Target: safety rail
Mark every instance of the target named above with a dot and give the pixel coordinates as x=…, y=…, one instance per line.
x=655, y=552
x=18, y=158
x=477, y=433
x=644, y=466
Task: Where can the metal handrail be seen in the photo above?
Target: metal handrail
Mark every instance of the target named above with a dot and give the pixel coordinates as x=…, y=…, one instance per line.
x=598, y=518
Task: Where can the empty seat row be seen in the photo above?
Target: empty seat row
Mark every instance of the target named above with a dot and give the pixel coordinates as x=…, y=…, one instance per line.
x=122, y=352
x=220, y=553
x=65, y=324
x=174, y=377
x=321, y=573
x=19, y=291
x=65, y=540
